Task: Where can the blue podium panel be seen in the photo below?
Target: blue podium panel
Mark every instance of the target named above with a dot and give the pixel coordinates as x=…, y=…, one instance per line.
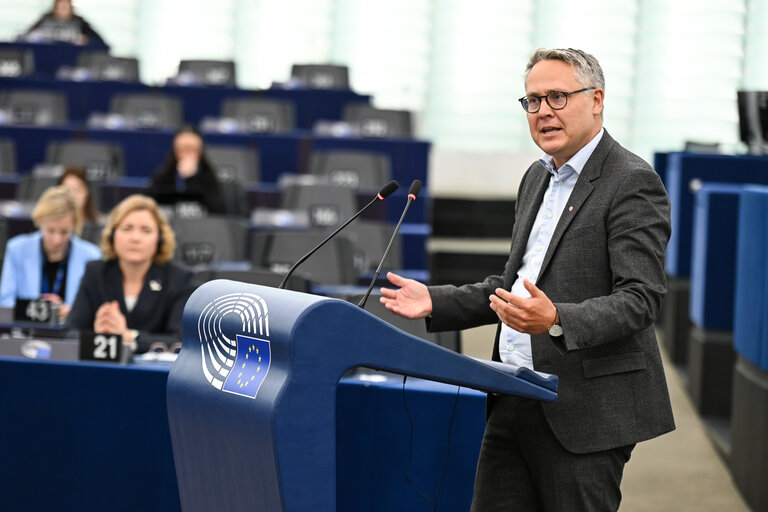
x=682, y=171
x=751, y=306
x=252, y=393
x=86, y=437
x=374, y=446
x=713, y=265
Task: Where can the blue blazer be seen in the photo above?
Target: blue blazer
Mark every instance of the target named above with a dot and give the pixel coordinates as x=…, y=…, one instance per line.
x=23, y=268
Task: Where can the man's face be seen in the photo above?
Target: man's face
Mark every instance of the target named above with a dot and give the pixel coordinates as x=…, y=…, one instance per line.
x=561, y=133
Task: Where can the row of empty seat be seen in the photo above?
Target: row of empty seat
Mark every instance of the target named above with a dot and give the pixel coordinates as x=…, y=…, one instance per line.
x=100, y=65
x=157, y=110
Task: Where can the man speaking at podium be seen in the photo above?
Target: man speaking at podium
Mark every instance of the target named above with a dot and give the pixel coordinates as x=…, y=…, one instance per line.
x=578, y=298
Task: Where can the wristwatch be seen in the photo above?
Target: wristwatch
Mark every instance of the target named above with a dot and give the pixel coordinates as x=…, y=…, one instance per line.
x=556, y=330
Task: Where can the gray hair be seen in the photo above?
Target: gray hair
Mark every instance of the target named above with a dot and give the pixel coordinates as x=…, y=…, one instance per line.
x=586, y=67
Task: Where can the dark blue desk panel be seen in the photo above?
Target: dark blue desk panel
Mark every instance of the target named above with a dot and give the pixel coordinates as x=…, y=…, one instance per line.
x=713, y=267
x=50, y=56
x=79, y=436
x=682, y=169
x=92, y=437
x=660, y=165
x=750, y=322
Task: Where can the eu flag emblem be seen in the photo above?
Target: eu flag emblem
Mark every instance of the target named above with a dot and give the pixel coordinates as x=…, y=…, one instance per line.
x=250, y=368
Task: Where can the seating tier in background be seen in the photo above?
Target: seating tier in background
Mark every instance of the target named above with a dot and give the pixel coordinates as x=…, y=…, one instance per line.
x=16, y=62
x=327, y=205
x=99, y=160
x=260, y=115
x=35, y=108
x=209, y=240
x=148, y=110
x=332, y=264
x=352, y=169
x=106, y=67
x=321, y=76
x=206, y=72
x=381, y=123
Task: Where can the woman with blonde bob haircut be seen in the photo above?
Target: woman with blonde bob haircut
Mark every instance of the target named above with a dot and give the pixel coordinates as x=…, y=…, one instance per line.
x=49, y=263
x=136, y=291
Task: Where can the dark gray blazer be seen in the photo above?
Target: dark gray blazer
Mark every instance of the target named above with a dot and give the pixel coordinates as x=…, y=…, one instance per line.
x=604, y=270
x=159, y=308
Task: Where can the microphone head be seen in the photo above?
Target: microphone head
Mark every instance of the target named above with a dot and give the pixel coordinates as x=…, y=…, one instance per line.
x=387, y=189
x=415, y=189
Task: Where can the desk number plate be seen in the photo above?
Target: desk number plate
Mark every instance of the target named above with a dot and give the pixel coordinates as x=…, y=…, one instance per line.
x=100, y=347
x=38, y=311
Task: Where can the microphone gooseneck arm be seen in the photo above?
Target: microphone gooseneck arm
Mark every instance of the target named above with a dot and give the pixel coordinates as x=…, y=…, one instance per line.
x=383, y=193
x=413, y=192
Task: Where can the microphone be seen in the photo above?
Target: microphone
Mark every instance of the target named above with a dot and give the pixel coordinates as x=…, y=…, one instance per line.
x=413, y=192
x=385, y=191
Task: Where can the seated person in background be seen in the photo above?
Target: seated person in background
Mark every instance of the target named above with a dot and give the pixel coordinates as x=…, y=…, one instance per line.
x=49, y=263
x=187, y=174
x=136, y=292
x=74, y=180
x=63, y=25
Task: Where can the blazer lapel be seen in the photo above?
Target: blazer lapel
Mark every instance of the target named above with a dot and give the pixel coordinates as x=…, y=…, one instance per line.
x=581, y=192
x=150, y=294
x=528, y=208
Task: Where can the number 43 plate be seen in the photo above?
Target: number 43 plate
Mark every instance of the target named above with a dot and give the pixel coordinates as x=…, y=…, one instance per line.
x=100, y=347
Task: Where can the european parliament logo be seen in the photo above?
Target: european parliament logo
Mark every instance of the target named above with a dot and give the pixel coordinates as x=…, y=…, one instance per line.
x=235, y=349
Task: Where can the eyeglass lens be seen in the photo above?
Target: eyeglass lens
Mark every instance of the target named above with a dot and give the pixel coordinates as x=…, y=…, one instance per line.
x=555, y=99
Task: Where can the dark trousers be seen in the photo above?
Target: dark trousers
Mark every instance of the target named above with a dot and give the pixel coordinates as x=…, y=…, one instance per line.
x=523, y=467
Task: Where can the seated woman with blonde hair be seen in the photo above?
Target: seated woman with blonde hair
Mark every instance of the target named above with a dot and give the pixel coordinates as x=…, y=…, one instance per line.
x=49, y=263
x=136, y=291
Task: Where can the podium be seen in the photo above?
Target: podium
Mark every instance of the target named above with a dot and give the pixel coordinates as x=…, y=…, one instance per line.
x=251, y=397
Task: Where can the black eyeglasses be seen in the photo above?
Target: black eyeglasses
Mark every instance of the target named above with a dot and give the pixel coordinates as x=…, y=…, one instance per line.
x=557, y=100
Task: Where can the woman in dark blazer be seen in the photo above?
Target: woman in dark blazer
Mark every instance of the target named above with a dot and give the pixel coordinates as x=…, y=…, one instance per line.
x=136, y=292
x=187, y=174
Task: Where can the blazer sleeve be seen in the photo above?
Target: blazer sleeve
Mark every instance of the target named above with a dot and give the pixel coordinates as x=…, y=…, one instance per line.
x=88, y=299
x=8, y=285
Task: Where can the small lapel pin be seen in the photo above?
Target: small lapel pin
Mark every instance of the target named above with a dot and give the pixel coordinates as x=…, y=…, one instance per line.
x=570, y=208
x=155, y=286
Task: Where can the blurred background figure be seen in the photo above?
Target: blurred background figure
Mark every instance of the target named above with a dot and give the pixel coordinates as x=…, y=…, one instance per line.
x=136, y=291
x=74, y=180
x=63, y=25
x=49, y=263
x=187, y=175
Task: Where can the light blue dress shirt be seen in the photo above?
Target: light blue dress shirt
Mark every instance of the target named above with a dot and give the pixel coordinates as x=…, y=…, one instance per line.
x=515, y=346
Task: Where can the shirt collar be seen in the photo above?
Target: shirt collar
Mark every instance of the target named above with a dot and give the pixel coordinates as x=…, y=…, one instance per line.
x=577, y=161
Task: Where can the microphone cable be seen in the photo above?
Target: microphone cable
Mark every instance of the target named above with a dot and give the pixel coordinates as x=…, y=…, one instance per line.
x=431, y=501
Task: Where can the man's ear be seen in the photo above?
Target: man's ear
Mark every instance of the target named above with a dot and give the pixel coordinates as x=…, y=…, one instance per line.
x=597, y=101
